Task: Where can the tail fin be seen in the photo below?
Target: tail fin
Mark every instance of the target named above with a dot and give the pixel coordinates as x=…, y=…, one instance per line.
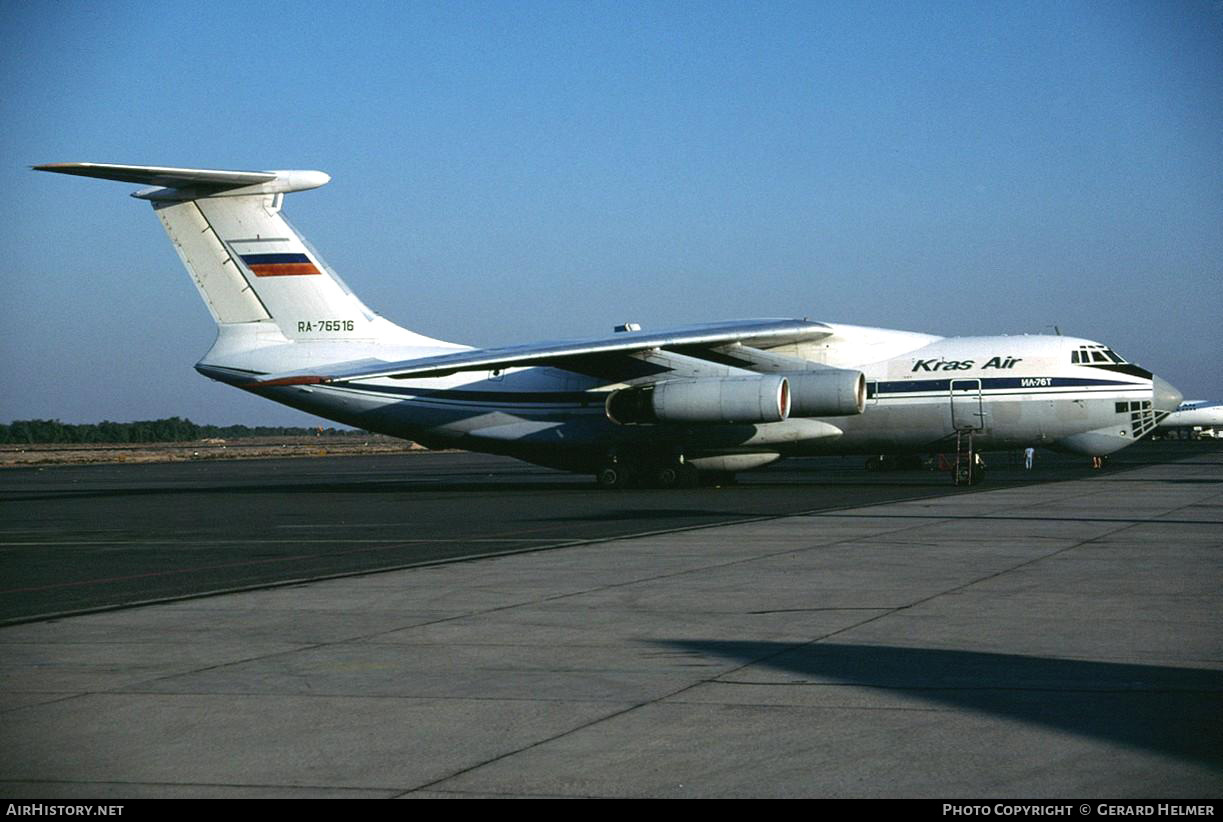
x=249, y=264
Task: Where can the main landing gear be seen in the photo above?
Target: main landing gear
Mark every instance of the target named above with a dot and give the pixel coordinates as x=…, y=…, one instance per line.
x=620, y=473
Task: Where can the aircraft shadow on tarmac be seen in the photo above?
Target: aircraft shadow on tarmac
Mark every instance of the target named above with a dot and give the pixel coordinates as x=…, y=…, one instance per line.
x=1170, y=711
x=623, y=514
x=1188, y=481
x=553, y=484
x=355, y=487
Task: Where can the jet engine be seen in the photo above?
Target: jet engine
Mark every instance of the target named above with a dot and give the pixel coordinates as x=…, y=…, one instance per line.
x=832, y=392
x=764, y=398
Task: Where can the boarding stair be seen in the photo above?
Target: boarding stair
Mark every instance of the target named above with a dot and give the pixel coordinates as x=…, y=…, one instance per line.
x=965, y=471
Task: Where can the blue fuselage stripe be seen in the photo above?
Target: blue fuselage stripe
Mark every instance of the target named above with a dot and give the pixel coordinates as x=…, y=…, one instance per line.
x=896, y=389
x=997, y=383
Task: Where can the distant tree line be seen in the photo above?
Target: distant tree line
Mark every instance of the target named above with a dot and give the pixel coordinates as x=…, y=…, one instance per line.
x=172, y=429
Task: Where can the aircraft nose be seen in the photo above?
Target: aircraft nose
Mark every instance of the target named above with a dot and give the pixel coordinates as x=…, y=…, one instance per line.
x=1166, y=397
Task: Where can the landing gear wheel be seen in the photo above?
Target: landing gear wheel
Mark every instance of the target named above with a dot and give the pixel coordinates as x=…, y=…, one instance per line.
x=964, y=476
x=612, y=476
x=675, y=475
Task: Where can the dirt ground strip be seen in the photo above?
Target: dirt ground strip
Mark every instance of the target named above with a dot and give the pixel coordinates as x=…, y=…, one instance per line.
x=207, y=449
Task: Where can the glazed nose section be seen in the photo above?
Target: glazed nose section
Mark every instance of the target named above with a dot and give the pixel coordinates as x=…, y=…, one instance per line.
x=1166, y=397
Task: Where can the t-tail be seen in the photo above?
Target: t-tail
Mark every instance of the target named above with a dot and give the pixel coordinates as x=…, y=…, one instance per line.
x=262, y=282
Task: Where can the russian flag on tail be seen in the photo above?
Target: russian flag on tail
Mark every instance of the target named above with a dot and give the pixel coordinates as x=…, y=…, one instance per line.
x=279, y=265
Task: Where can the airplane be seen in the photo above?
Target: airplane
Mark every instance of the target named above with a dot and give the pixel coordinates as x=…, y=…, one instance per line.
x=659, y=408
x=1196, y=414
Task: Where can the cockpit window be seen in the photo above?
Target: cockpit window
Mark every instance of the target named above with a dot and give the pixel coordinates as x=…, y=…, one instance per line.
x=1087, y=354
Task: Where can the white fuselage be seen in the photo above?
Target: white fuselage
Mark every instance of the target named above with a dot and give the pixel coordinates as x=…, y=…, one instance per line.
x=1011, y=391
x=1195, y=415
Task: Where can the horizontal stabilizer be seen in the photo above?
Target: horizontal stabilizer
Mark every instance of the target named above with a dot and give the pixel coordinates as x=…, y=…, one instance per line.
x=187, y=183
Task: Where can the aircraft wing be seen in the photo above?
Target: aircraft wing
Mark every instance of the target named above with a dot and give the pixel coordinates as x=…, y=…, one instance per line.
x=569, y=354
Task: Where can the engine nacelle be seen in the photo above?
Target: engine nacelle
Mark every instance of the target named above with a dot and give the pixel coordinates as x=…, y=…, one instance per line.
x=764, y=398
x=832, y=392
x=733, y=462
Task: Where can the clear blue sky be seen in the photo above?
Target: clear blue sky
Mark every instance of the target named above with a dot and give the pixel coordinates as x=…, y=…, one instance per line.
x=513, y=171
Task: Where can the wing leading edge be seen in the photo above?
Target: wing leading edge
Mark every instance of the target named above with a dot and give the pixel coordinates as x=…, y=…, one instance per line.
x=756, y=333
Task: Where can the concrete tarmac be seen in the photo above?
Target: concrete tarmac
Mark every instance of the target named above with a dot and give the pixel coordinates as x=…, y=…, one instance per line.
x=75, y=539
x=1058, y=639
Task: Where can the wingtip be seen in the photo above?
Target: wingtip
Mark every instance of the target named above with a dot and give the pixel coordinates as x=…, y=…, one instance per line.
x=67, y=166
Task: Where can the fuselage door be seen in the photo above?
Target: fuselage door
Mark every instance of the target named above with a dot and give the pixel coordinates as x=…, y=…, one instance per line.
x=966, y=411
